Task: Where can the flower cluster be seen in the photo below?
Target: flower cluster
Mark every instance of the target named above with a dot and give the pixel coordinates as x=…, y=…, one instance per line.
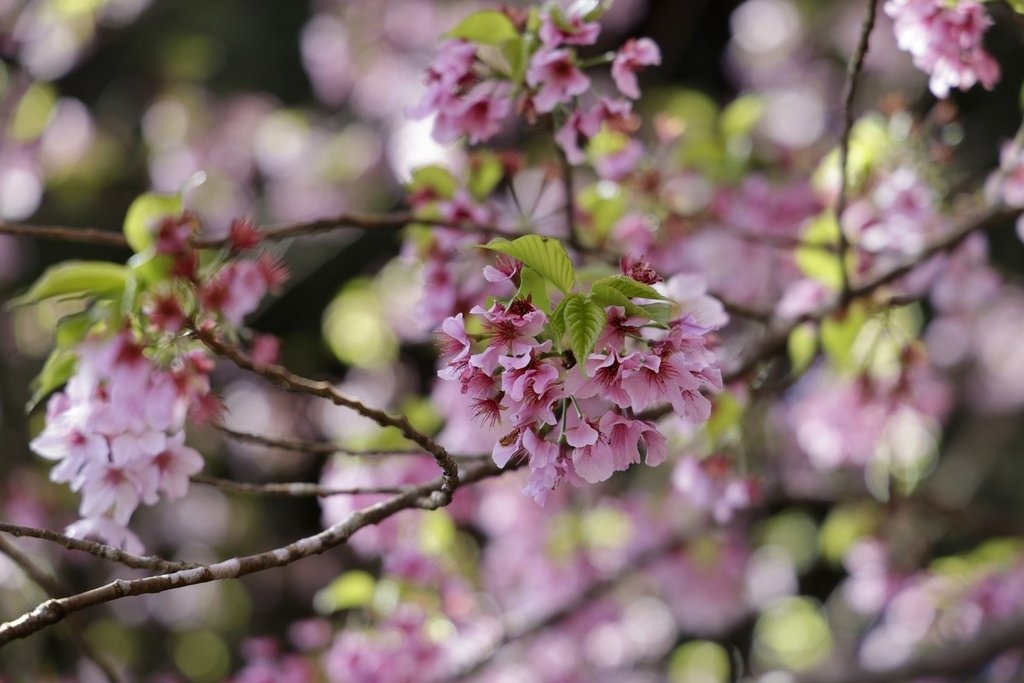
x=470, y=96
x=117, y=433
x=575, y=420
x=945, y=40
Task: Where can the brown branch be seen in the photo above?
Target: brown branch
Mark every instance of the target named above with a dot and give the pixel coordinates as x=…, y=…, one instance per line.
x=423, y=497
x=289, y=381
x=55, y=588
x=849, y=93
x=100, y=550
x=55, y=233
x=294, y=489
x=326, y=448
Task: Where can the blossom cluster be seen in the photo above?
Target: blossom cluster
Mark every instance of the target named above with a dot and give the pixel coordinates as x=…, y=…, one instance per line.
x=945, y=40
x=117, y=433
x=469, y=96
x=576, y=420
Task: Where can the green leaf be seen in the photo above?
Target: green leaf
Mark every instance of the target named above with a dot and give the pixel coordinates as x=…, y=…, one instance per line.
x=485, y=173
x=545, y=255
x=534, y=286
x=839, y=332
x=354, y=588
x=583, y=321
x=815, y=262
x=57, y=370
x=739, y=118
x=803, y=346
x=631, y=288
x=436, y=179
x=144, y=213
x=607, y=295
x=605, y=203
x=557, y=322
x=99, y=278
x=488, y=27
x=659, y=313
x=1016, y=5
x=72, y=329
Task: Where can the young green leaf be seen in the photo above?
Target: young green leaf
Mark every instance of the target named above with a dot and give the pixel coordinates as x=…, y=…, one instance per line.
x=488, y=27
x=545, y=255
x=56, y=371
x=631, y=288
x=815, y=262
x=802, y=345
x=839, y=332
x=534, y=286
x=99, y=278
x=606, y=295
x=557, y=321
x=583, y=321
x=144, y=213
x=485, y=173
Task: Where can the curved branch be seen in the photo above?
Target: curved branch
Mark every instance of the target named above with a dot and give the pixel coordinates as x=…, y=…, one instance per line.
x=100, y=550
x=289, y=381
x=291, y=489
x=853, y=70
x=57, y=609
x=325, y=447
x=55, y=588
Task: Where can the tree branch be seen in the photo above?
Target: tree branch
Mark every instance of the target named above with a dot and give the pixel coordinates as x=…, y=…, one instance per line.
x=100, y=550
x=849, y=92
x=291, y=489
x=424, y=496
x=53, y=587
x=289, y=381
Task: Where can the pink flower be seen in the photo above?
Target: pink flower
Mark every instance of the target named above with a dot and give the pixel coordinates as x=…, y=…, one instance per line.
x=532, y=392
x=631, y=56
x=478, y=115
x=557, y=77
x=264, y=350
x=556, y=29
x=604, y=376
x=945, y=40
x=510, y=331
x=174, y=465
x=504, y=269
x=106, y=530
x=620, y=163
x=451, y=70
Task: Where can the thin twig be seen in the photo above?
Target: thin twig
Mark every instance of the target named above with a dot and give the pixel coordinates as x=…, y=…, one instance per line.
x=295, y=489
x=289, y=381
x=326, y=448
x=422, y=497
x=55, y=588
x=849, y=93
x=100, y=550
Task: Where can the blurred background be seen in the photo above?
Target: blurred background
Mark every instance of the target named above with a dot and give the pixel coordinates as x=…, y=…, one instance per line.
x=287, y=111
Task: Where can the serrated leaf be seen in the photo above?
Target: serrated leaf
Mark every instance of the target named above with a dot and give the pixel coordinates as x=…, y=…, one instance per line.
x=583, y=322
x=607, y=295
x=144, y=213
x=556, y=322
x=99, y=278
x=545, y=255
x=659, y=313
x=488, y=27
x=631, y=288
x=534, y=286
x=57, y=370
